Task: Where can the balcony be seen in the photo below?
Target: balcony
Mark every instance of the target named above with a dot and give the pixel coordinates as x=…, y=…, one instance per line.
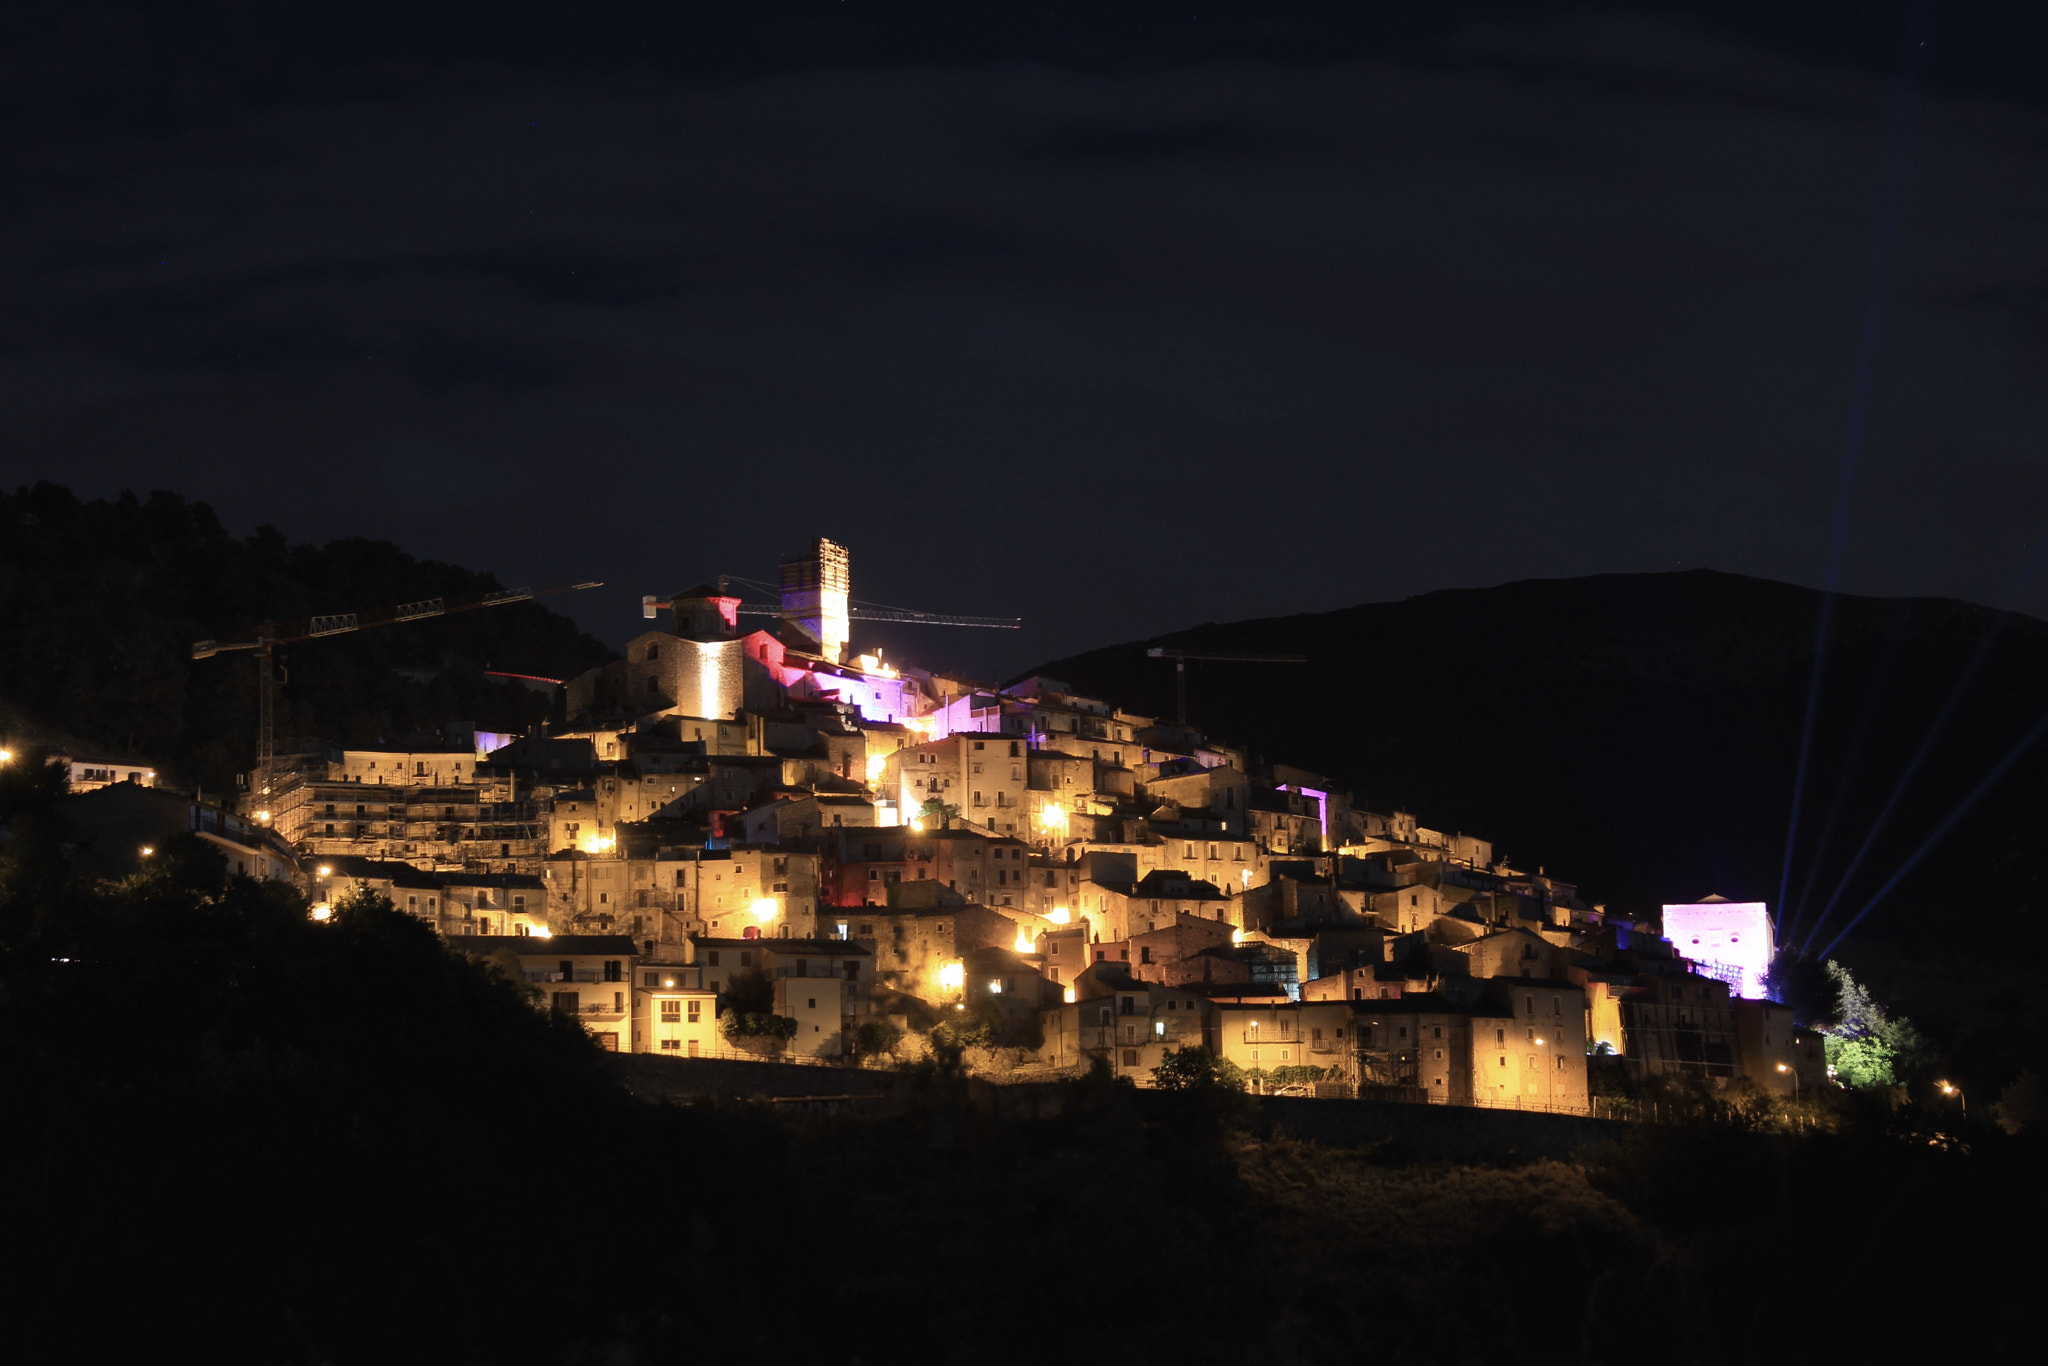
x=593, y=1012
x=1272, y=1036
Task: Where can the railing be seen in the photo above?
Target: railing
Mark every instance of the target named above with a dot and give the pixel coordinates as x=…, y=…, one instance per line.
x=1547, y=1107
x=726, y=1053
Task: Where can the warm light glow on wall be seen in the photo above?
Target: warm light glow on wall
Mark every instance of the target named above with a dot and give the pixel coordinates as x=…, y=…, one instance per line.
x=1025, y=943
x=765, y=909
x=1237, y=936
x=926, y=726
x=876, y=763
x=1052, y=818
x=594, y=843
x=917, y=825
x=952, y=976
x=710, y=662
x=541, y=932
x=321, y=910
x=1069, y=996
x=1060, y=915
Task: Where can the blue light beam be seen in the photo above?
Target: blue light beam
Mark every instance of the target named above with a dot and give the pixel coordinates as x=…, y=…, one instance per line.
x=2013, y=756
x=1940, y=723
x=1904, y=117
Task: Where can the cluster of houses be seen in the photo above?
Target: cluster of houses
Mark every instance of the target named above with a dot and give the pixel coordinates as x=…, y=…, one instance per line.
x=886, y=851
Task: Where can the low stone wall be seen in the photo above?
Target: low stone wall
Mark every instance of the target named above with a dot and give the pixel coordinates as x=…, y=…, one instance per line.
x=653, y=1077
x=1456, y=1132
x=1459, y=1132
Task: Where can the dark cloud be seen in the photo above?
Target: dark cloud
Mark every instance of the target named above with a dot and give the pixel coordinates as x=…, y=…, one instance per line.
x=1117, y=346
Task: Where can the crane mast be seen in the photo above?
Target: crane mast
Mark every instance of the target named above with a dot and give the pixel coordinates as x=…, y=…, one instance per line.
x=1180, y=660
x=265, y=639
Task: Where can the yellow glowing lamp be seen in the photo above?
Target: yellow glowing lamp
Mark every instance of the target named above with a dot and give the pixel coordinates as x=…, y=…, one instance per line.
x=876, y=763
x=541, y=932
x=1069, y=996
x=1060, y=915
x=322, y=911
x=324, y=871
x=765, y=909
x=147, y=850
x=6, y=756
x=1052, y=819
x=917, y=825
x=1237, y=936
x=952, y=975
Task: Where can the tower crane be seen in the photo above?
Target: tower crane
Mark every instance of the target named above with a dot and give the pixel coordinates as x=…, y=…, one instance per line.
x=1180, y=660
x=264, y=640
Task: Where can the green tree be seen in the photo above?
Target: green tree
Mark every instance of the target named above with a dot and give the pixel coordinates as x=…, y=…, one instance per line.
x=875, y=1039
x=1810, y=987
x=1869, y=1046
x=2023, y=1104
x=937, y=815
x=1860, y=1062
x=1197, y=1069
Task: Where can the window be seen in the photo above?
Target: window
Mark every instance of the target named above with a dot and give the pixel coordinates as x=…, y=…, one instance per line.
x=1560, y=1064
x=1500, y=1036
x=696, y=1014
x=1437, y=1032
x=671, y=1011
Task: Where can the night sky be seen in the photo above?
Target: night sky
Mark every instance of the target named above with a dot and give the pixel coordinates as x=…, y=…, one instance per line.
x=1116, y=318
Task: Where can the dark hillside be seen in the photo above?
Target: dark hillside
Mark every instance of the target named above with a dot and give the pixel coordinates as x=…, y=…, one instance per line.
x=1639, y=734
x=100, y=603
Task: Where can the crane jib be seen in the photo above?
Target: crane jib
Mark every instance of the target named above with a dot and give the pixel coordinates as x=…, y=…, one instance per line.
x=414, y=611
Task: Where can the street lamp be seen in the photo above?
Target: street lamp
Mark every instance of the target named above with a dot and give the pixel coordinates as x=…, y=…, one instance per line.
x=1957, y=1092
x=1792, y=1073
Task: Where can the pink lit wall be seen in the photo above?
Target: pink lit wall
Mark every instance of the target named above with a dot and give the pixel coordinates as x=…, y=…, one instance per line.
x=1731, y=940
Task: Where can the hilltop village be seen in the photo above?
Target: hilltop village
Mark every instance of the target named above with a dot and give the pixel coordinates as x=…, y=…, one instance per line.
x=777, y=844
